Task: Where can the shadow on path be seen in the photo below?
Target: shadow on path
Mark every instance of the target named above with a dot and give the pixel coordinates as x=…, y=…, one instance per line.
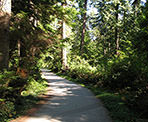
x=69, y=103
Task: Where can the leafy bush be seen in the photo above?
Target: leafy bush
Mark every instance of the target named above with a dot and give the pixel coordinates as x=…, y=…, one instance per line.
x=81, y=69
x=10, y=84
x=7, y=110
x=15, y=89
x=34, y=87
x=129, y=77
x=126, y=76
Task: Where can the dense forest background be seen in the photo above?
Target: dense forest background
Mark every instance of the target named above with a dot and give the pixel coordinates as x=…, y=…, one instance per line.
x=100, y=43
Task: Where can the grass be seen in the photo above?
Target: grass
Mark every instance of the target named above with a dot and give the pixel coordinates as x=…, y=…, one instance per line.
x=114, y=102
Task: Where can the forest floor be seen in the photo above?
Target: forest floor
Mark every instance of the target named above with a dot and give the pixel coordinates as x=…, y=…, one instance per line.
x=67, y=102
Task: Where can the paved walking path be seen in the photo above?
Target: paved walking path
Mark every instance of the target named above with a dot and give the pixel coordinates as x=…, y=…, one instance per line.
x=69, y=103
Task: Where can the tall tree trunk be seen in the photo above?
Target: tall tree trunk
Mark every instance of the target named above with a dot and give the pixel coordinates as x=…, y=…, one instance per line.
x=84, y=28
x=5, y=14
x=64, y=50
x=117, y=30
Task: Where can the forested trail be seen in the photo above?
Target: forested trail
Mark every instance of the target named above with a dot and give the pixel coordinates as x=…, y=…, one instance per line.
x=69, y=103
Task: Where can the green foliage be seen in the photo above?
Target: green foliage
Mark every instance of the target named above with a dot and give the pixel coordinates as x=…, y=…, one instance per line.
x=113, y=101
x=116, y=105
x=36, y=42
x=7, y=110
x=126, y=76
x=34, y=88
x=10, y=84
x=51, y=58
x=33, y=33
x=12, y=90
x=81, y=69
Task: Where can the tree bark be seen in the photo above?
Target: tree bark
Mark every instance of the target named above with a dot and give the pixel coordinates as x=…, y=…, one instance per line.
x=5, y=14
x=83, y=29
x=64, y=50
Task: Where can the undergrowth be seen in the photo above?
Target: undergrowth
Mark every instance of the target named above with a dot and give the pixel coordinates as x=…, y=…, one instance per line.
x=114, y=102
x=122, y=86
x=18, y=94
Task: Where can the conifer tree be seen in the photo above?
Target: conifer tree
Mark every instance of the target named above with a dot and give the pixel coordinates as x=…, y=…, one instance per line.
x=112, y=19
x=83, y=27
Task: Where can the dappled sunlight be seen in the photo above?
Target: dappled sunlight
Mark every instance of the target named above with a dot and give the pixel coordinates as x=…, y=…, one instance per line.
x=51, y=76
x=60, y=87
x=61, y=92
x=69, y=103
x=33, y=119
x=41, y=119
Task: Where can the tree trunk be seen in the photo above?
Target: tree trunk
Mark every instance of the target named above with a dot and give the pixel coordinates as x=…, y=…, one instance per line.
x=116, y=30
x=83, y=29
x=5, y=14
x=64, y=50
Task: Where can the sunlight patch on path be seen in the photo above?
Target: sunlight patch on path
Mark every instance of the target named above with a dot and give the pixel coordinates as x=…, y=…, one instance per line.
x=44, y=119
x=69, y=103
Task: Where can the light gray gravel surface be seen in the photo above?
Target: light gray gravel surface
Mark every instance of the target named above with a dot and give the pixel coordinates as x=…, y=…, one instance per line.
x=69, y=103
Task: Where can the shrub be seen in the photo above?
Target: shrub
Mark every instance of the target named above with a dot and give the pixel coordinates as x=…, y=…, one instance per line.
x=81, y=69
x=7, y=110
x=15, y=89
x=34, y=87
